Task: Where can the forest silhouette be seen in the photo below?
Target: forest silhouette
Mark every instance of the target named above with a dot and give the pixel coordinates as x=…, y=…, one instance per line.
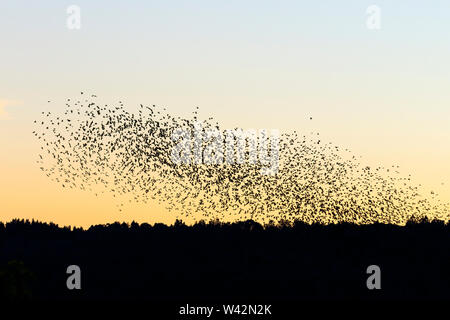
x=215, y=260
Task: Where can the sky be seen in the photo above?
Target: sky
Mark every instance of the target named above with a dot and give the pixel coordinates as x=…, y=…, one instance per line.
x=381, y=93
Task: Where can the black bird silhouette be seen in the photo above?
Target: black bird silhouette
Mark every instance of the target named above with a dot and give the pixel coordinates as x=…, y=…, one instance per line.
x=130, y=154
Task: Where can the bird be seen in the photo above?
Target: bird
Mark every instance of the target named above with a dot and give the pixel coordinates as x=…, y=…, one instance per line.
x=108, y=148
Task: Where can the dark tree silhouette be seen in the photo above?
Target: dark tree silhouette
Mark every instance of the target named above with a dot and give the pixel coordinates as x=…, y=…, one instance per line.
x=225, y=261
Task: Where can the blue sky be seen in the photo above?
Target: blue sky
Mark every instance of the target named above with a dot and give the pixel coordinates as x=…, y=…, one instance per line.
x=252, y=64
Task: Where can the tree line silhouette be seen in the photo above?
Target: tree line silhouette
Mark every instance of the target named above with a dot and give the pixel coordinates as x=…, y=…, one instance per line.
x=215, y=260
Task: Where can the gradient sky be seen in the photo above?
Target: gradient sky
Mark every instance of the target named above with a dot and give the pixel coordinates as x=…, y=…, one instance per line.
x=252, y=64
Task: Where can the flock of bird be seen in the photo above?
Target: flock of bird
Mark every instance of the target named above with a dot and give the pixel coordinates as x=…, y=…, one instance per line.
x=128, y=153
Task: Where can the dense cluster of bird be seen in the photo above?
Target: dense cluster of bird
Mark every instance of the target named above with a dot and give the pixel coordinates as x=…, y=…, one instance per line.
x=128, y=153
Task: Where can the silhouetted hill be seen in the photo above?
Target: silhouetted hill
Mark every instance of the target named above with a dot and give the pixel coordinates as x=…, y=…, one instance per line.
x=222, y=261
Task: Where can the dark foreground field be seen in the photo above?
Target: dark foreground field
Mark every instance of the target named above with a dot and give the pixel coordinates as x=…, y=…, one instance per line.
x=213, y=262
